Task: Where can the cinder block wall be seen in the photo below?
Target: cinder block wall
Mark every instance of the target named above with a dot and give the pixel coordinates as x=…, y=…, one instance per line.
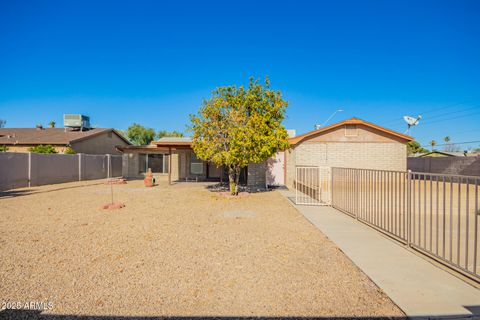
x=381, y=155
x=256, y=176
x=130, y=165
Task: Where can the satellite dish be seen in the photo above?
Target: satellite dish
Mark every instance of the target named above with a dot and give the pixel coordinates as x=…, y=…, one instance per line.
x=411, y=121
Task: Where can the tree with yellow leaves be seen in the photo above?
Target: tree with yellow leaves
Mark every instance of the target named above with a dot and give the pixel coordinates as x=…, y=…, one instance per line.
x=238, y=126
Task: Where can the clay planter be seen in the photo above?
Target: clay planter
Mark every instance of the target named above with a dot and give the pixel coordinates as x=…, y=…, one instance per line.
x=148, y=181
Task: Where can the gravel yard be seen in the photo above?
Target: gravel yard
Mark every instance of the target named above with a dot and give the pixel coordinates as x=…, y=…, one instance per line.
x=178, y=250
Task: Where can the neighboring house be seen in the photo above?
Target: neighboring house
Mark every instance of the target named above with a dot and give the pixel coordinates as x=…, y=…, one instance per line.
x=436, y=153
x=91, y=141
x=352, y=143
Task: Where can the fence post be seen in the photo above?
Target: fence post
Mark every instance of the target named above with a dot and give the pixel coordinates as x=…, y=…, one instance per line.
x=409, y=208
x=331, y=187
x=109, y=162
x=296, y=185
x=79, y=167
x=357, y=192
x=29, y=169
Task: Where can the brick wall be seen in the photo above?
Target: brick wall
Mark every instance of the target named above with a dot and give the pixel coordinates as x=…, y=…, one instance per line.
x=469, y=166
x=368, y=155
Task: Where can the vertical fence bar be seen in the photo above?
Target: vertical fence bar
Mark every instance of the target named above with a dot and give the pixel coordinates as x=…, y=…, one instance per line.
x=475, y=237
x=79, y=167
x=451, y=219
x=437, y=216
x=459, y=216
x=29, y=169
x=425, y=210
x=467, y=207
x=444, y=228
x=409, y=206
x=296, y=185
x=109, y=162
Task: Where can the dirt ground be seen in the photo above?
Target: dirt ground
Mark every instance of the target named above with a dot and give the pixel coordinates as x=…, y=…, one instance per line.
x=178, y=250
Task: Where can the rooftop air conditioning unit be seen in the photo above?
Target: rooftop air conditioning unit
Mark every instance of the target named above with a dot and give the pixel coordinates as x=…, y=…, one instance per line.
x=76, y=121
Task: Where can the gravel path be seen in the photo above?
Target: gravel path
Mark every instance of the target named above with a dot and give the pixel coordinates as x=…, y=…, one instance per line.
x=174, y=251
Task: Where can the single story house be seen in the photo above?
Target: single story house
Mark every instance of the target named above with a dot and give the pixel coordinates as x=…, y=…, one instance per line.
x=89, y=141
x=351, y=143
x=172, y=159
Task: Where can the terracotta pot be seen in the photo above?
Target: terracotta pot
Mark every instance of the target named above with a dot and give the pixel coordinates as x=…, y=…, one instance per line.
x=148, y=181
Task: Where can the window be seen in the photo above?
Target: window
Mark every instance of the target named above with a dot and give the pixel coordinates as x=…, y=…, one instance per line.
x=196, y=165
x=351, y=130
x=158, y=162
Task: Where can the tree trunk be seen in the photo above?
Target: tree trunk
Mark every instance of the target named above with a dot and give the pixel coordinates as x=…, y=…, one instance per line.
x=233, y=178
x=232, y=181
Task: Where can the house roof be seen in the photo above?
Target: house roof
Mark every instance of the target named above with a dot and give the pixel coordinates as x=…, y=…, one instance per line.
x=53, y=136
x=305, y=136
x=445, y=153
x=173, y=141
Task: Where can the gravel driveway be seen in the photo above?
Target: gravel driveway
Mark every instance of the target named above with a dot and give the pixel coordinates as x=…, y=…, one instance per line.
x=177, y=250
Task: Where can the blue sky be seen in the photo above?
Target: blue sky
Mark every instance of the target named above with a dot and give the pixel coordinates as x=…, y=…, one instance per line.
x=152, y=62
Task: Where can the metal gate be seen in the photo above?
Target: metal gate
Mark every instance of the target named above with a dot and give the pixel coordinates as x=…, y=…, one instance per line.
x=313, y=186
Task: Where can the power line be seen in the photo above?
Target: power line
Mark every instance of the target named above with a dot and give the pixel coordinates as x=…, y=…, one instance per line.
x=454, y=143
x=431, y=110
x=451, y=118
x=450, y=113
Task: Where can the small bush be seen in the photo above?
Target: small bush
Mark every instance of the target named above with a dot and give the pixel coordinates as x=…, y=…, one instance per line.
x=3, y=148
x=69, y=150
x=48, y=148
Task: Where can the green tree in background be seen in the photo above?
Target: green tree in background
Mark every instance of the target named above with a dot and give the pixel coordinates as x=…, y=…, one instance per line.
x=140, y=135
x=164, y=133
x=47, y=148
x=3, y=148
x=433, y=143
x=52, y=124
x=447, y=146
x=238, y=126
x=69, y=150
x=414, y=147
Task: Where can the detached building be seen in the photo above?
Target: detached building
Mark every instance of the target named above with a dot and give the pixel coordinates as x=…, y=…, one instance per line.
x=352, y=143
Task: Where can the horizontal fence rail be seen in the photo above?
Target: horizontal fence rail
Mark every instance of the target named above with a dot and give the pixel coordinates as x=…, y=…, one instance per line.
x=437, y=214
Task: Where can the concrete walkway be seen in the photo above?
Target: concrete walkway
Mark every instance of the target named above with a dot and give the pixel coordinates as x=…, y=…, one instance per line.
x=418, y=287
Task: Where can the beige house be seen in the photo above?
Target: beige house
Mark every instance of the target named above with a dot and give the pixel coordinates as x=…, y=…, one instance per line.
x=352, y=143
x=89, y=141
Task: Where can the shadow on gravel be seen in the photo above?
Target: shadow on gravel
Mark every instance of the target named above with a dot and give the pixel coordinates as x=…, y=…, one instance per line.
x=14, y=193
x=36, y=315
x=224, y=187
x=26, y=192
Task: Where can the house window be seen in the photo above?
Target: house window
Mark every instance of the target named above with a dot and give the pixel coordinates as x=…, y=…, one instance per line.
x=351, y=130
x=196, y=165
x=158, y=162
